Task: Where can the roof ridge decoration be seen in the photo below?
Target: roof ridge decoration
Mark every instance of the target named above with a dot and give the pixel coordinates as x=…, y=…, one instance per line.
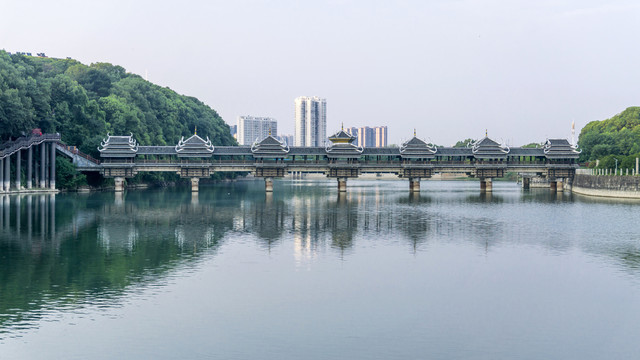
x=269, y=147
x=489, y=149
x=118, y=146
x=341, y=145
x=560, y=148
x=194, y=146
x=417, y=148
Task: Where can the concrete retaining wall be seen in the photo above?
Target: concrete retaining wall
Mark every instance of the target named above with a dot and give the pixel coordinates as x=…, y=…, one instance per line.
x=607, y=186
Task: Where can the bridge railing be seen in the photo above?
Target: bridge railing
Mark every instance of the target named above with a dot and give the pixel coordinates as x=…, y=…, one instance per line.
x=10, y=147
x=74, y=150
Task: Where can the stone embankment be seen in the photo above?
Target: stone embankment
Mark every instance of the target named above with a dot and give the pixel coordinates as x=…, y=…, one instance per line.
x=607, y=186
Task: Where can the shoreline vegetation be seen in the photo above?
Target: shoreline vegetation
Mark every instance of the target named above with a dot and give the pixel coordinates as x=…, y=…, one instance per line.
x=84, y=103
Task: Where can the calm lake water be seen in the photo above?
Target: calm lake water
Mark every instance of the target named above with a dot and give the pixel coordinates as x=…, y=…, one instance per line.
x=376, y=273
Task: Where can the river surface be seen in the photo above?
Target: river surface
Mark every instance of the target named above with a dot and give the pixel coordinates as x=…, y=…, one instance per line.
x=306, y=273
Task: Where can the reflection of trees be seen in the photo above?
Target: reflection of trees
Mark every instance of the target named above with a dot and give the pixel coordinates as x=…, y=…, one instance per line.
x=91, y=246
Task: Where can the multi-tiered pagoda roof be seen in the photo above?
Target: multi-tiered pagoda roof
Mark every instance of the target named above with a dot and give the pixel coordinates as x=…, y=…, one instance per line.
x=269, y=147
x=560, y=149
x=342, y=146
x=486, y=148
x=195, y=146
x=118, y=147
x=416, y=148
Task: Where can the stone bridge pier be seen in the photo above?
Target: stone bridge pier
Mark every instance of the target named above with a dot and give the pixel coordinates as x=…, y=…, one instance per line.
x=414, y=185
x=486, y=184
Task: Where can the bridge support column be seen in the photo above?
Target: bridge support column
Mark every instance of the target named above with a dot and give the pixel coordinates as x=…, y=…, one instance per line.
x=7, y=173
x=18, y=184
x=119, y=182
x=29, y=167
x=526, y=183
x=52, y=181
x=414, y=184
x=1, y=175
x=486, y=185
x=268, y=184
x=43, y=166
x=560, y=186
x=553, y=185
x=342, y=184
x=194, y=184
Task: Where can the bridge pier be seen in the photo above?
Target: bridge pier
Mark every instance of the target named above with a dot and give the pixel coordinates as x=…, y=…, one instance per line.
x=486, y=185
x=17, y=183
x=342, y=184
x=1, y=175
x=119, y=183
x=560, y=186
x=553, y=185
x=29, y=167
x=268, y=184
x=43, y=166
x=526, y=183
x=414, y=185
x=194, y=184
x=7, y=173
x=52, y=181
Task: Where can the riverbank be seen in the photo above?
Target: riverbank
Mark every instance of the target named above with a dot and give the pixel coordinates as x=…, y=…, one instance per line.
x=627, y=187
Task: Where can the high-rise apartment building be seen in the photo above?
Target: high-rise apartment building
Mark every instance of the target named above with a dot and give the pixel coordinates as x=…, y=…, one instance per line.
x=369, y=137
x=311, y=121
x=381, y=136
x=252, y=128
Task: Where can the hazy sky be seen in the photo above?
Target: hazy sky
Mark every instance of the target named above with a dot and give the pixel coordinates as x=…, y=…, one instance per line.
x=521, y=69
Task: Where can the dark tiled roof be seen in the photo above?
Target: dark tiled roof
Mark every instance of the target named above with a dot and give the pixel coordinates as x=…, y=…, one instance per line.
x=560, y=149
x=269, y=147
x=195, y=146
x=417, y=149
x=486, y=148
x=118, y=146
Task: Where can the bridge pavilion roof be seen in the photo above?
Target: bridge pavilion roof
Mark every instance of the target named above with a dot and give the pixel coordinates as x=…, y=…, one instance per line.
x=560, y=149
x=118, y=146
x=269, y=147
x=342, y=146
x=416, y=148
x=486, y=148
x=195, y=146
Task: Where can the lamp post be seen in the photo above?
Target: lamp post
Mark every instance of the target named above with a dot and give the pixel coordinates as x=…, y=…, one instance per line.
x=616, y=166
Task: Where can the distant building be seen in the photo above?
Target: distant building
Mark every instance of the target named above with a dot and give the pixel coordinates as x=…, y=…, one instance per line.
x=234, y=131
x=310, y=121
x=369, y=137
x=288, y=139
x=353, y=131
x=366, y=137
x=252, y=128
x=381, y=136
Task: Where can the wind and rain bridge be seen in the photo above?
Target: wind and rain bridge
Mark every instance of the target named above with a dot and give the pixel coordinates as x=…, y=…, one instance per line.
x=196, y=158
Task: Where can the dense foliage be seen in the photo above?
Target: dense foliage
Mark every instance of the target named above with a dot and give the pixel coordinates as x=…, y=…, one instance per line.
x=618, y=136
x=84, y=103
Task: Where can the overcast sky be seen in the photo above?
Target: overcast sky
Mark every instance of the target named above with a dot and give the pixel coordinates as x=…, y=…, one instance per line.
x=523, y=70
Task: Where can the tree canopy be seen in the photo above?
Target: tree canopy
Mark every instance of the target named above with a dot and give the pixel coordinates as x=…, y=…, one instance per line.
x=84, y=103
x=619, y=135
